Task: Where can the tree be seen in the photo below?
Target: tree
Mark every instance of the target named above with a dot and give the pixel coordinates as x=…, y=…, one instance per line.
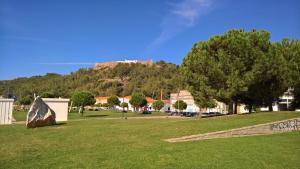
x=138, y=100
x=222, y=67
x=25, y=100
x=124, y=105
x=180, y=105
x=291, y=52
x=122, y=70
x=113, y=101
x=82, y=99
x=270, y=78
x=159, y=104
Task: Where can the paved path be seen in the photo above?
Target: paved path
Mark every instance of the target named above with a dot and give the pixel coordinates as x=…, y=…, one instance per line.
x=260, y=129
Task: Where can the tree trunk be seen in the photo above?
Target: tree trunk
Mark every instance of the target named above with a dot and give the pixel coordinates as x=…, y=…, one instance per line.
x=235, y=107
x=270, y=107
x=81, y=110
x=250, y=108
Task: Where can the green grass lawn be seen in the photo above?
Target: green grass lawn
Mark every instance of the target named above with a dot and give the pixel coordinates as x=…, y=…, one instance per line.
x=21, y=115
x=138, y=143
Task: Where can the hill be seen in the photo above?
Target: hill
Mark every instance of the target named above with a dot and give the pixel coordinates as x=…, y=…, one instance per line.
x=122, y=79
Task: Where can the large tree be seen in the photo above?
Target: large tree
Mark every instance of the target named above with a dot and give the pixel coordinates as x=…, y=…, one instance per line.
x=222, y=67
x=82, y=99
x=291, y=52
x=270, y=78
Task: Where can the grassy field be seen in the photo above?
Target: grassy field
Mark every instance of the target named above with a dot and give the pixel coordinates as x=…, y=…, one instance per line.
x=21, y=115
x=137, y=143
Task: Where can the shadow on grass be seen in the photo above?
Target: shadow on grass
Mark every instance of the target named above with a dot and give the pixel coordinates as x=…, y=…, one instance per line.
x=60, y=123
x=98, y=115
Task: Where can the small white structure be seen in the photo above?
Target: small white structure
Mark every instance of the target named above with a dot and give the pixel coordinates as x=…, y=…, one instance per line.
x=187, y=98
x=6, y=109
x=59, y=106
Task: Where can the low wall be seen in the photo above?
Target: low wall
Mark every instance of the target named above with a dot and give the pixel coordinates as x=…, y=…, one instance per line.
x=6, y=109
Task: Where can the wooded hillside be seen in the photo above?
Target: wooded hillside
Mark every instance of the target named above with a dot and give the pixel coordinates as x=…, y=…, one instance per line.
x=124, y=79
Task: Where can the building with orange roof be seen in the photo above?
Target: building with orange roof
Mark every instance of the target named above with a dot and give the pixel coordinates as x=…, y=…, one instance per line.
x=101, y=99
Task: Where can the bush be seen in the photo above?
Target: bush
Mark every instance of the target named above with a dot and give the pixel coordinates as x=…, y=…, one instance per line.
x=146, y=112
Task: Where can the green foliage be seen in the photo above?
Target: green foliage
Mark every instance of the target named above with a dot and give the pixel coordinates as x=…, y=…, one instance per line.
x=83, y=99
x=98, y=105
x=124, y=105
x=113, y=101
x=138, y=100
x=238, y=66
x=105, y=105
x=180, y=105
x=159, y=104
x=47, y=95
x=122, y=70
x=290, y=49
x=25, y=100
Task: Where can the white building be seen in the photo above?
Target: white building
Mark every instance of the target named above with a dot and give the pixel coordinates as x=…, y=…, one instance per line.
x=6, y=109
x=59, y=106
x=186, y=96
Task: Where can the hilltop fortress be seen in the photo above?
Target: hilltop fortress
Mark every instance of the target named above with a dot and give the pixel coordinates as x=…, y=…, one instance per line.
x=113, y=64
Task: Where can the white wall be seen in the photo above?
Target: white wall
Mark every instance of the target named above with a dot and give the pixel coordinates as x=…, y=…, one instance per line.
x=6, y=109
x=59, y=106
x=275, y=108
x=243, y=109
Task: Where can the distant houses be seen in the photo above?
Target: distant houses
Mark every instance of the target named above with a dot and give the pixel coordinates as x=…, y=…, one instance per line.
x=282, y=104
x=126, y=99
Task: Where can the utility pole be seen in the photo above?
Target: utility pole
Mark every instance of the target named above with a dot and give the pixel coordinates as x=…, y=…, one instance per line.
x=178, y=100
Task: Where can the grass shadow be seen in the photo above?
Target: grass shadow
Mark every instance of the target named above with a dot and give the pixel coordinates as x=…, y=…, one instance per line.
x=60, y=123
x=98, y=115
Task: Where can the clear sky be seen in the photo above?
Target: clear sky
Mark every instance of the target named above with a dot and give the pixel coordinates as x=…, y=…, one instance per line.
x=60, y=36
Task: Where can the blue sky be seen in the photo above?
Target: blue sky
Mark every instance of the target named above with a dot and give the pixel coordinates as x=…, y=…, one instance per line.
x=60, y=36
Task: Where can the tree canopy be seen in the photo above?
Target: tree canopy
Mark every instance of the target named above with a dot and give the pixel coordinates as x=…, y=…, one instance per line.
x=138, y=100
x=113, y=101
x=180, y=105
x=82, y=99
x=158, y=104
x=239, y=66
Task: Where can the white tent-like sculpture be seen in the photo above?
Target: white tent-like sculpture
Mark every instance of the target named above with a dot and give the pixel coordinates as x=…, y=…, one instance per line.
x=40, y=114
